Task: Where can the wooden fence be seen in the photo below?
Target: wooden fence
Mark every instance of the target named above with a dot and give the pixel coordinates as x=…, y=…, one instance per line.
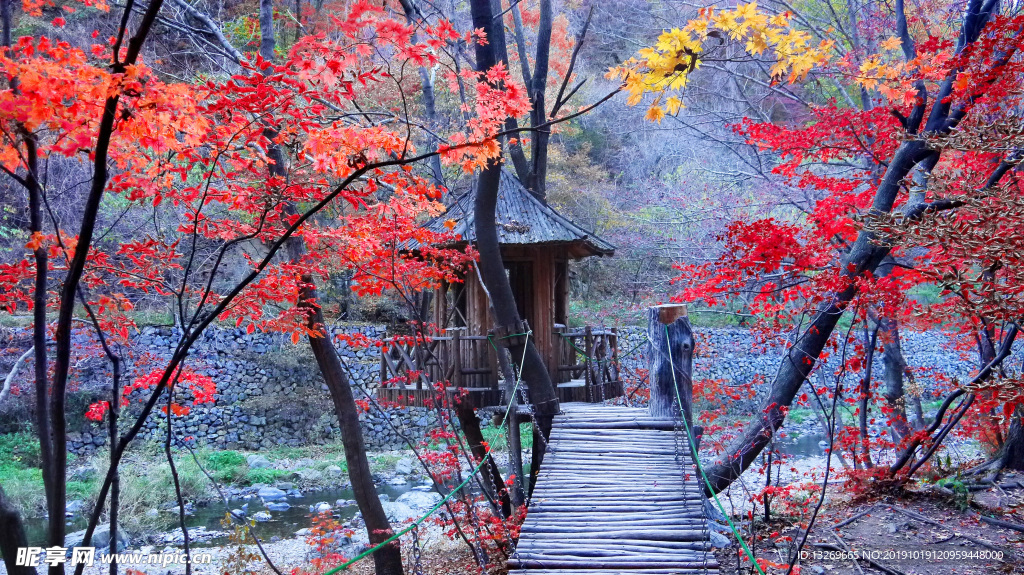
x=587, y=368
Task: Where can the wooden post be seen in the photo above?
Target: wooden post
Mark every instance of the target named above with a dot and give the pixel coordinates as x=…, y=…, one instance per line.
x=515, y=444
x=588, y=377
x=614, y=374
x=456, y=357
x=675, y=343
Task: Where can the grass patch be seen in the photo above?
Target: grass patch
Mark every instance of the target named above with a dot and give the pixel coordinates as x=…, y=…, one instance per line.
x=497, y=440
x=19, y=449
x=225, y=466
x=20, y=475
x=265, y=475
x=799, y=415
x=382, y=463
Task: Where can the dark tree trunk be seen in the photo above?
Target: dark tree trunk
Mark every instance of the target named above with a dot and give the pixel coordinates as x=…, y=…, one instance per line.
x=429, y=103
x=864, y=257
x=539, y=151
x=12, y=536
x=1012, y=456
x=491, y=266
x=515, y=444
x=865, y=395
x=894, y=367
x=387, y=560
x=42, y=415
x=492, y=479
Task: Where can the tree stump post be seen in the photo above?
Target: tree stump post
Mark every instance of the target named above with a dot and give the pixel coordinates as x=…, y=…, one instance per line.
x=675, y=343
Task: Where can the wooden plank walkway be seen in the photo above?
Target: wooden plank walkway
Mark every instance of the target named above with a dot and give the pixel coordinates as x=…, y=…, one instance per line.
x=611, y=498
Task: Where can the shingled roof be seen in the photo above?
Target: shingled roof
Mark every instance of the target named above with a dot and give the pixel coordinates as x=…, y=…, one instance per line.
x=522, y=219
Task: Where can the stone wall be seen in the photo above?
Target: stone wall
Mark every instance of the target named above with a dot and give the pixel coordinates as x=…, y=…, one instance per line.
x=270, y=393
x=736, y=356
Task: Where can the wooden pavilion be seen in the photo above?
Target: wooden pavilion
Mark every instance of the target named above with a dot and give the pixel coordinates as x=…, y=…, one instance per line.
x=537, y=244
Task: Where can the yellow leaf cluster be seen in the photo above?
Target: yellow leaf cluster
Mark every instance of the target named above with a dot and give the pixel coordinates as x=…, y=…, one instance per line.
x=665, y=67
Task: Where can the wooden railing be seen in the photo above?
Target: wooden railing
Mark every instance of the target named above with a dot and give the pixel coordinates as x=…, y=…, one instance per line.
x=589, y=354
x=465, y=361
x=587, y=367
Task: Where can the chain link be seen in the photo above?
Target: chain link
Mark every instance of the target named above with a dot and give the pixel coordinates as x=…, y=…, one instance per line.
x=417, y=564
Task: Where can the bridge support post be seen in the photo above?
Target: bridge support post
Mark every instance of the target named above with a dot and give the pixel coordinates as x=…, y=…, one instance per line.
x=671, y=341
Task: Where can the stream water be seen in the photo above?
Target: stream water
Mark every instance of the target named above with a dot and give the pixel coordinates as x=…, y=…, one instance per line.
x=282, y=524
x=803, y=445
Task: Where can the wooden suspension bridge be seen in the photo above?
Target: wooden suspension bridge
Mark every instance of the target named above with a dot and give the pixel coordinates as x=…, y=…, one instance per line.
x=617, y=491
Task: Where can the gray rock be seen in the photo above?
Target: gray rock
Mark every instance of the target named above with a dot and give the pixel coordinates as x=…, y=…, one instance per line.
x=84, y=473
x=719, y=541
x=321, y=507
x=262, y=516
x=73, y=507
x=404, y=466
x=100, y=539
x=419, y=500
x=257, y=461
x=397, y=481
x=278, y=506
x=271, y=494
x=398, y=512
x=311, y=475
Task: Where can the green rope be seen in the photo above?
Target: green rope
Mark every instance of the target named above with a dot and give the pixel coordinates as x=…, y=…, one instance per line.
x=451, y=493
x=490, y=337
x=696, y=459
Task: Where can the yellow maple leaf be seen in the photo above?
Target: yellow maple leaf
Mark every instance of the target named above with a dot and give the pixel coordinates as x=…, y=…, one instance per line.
x=893, y=43
x=655, y=114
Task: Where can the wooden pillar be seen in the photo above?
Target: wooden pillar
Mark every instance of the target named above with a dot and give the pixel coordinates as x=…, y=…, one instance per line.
x=588, y=376
x=671, y=337
x=457, y=357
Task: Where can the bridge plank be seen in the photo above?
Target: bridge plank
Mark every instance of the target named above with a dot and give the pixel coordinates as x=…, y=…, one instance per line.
x=616, y=494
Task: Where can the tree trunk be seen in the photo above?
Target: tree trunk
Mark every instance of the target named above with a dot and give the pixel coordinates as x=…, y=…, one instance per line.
x=863, y=258
x=539, y=153
x=12, y=536
x=1012, y=456
x=894, y=367
x=515, y=444
x=492, y=479
x=387, y=560
x=865, y=395
x=671, y=363
x=427, y=88
x=491, y=266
